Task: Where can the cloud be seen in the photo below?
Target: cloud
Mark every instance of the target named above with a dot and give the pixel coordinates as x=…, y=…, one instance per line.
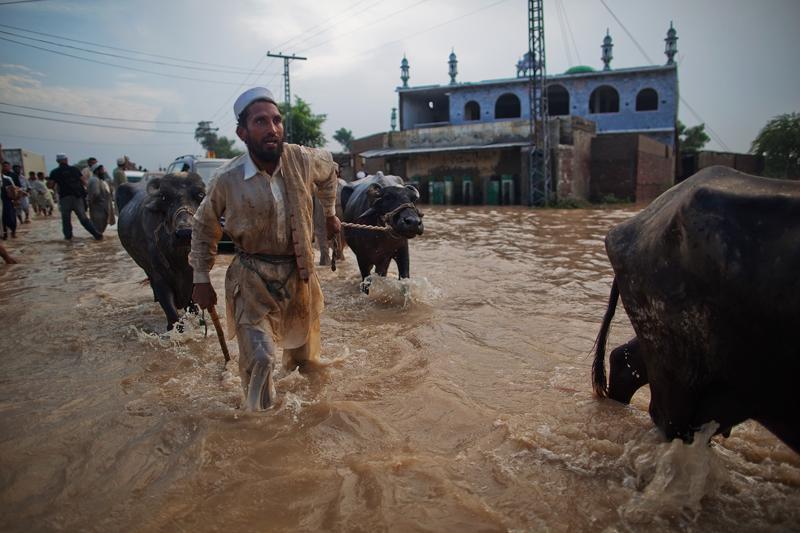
x=22, y=68
x=125, y=100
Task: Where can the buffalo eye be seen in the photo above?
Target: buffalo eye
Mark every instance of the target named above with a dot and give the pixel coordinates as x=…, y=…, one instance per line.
x=201, y=195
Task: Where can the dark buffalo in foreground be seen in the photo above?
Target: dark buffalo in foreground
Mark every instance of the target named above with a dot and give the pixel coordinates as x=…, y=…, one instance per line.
x=381, y=201
x=709, y=275
x=155, y=228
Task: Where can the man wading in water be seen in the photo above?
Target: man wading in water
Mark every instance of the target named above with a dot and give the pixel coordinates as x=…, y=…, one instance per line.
x=272, y=293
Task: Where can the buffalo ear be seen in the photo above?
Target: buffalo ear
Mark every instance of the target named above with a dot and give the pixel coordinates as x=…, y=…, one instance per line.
x=153, y=185
x=414, y=193
x=374, y=193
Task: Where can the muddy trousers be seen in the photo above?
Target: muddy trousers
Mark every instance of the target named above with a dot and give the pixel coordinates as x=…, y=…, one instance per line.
x=67, y=205
x=257, y=361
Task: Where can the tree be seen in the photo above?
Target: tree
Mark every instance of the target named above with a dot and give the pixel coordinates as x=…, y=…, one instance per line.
x=692, y=139
x=779, y=143
x=344, y=137
x=306, y=126
x=208, y=139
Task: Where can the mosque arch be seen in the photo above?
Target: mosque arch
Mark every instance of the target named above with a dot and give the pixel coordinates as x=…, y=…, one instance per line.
x=472, y=110
x=604, y=99
x=647, y=100
x=507, y=106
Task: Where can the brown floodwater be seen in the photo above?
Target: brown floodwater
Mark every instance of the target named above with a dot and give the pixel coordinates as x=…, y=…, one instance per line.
x=458, y=401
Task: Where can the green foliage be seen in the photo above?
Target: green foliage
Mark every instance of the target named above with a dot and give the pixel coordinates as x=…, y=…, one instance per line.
x=692, y=139
x=306, y=126
x=344, y=137
x=779, y=143
x=220, y=146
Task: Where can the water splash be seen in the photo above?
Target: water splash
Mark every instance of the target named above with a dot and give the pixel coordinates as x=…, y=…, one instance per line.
x=401, y=292
x=674, y=477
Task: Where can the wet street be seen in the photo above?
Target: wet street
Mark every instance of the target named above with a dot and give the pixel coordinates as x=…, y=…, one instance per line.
x=458, y=401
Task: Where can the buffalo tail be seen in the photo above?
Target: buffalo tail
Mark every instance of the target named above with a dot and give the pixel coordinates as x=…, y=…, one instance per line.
x=599, y=383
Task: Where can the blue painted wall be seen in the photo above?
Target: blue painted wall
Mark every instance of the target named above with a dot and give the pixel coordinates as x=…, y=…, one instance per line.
x=627, y=82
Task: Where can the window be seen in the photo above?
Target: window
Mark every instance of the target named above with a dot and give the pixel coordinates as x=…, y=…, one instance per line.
x=507, y=106
x=647, y=100
x=557, y=100
x=604, y=99
x=472, y=111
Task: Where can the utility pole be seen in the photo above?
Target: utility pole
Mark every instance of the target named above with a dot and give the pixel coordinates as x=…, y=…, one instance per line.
x=539, y=179
x=287, y=94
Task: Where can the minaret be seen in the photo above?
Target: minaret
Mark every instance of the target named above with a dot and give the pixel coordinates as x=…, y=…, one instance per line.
x=394, y=118
x=452, y=63
x=607, y=46
x=671, y=47
x=404, y=71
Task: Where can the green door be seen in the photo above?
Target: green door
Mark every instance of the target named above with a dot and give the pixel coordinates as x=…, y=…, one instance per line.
x=493, y=194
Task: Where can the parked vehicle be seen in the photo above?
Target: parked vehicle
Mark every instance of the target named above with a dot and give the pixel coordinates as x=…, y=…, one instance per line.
x=206, y=167
x=134, y=176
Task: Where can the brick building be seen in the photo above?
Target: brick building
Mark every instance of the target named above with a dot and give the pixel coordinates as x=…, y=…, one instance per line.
x=468, y=142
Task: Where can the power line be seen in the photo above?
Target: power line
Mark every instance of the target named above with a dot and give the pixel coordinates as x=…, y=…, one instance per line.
x=97, y=116
x=73, y=141
x=118, y=56
x=381, y=19
x=329, y=22
x=93, y=124
x=565, y=41
x=222, y=106
x=134, y=69
x=98, y=45
x=713, y=133
x=571, y=34
x=635, y=42
x=430, y=28
x=19, y=2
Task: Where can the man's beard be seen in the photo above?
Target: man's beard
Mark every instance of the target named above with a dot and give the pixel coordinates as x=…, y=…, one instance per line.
x=268, y=155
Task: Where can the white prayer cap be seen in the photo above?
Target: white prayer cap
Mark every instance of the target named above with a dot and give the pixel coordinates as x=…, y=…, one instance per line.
x=250, y=96
x=61, y=156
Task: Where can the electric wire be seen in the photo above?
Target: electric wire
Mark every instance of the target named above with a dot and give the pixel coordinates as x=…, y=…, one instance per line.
x=711, y=131
x=330, y=22
x=119, y=56
x=95, y=125
x=564, y=39
x=96, y=116
x=19, y=2
x=430, y=28
x=571, y=34
x=98, y=143
x=381, y=19
x=134, y=69
x=98, y=45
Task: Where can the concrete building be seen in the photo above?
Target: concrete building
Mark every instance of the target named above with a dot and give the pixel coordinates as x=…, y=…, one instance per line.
x=468, y=142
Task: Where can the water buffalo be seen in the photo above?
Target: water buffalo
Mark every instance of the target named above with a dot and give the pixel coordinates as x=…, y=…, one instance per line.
x=155, y=227
x=381, y=201
x=708, y=275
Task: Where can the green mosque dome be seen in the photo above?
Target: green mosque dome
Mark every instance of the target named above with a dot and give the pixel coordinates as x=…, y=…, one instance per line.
x=579, y=69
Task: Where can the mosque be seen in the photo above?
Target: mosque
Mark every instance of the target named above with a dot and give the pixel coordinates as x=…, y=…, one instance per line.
x=467, y=142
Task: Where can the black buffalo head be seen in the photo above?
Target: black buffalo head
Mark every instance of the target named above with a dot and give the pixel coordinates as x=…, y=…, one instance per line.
x=395, y=206
x=175, y=198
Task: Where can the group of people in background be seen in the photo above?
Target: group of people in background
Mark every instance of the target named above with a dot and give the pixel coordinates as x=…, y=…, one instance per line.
x=78, y=190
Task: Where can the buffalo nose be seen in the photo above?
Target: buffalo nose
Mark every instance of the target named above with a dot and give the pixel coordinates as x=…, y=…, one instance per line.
x=183, y=234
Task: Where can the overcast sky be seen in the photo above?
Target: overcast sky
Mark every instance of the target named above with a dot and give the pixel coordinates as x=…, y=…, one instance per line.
x=737, y=59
